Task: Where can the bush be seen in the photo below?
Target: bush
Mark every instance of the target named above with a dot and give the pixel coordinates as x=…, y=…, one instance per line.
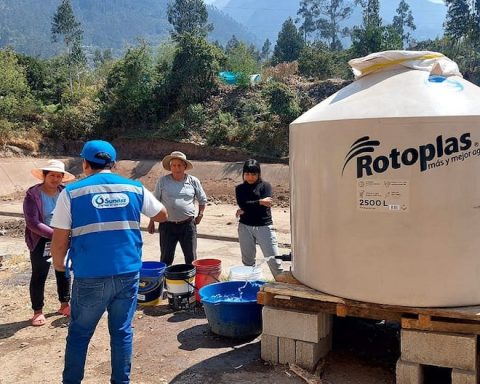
x=243, y=135
x=174, y=129
x=75, y=122
x=280, y=72
x=12, y=134
x=316, y=61
x=251, y=106
x=218, y=132
x=283, y=102
x=193, y=76
x=196, y=115
x=6, y=131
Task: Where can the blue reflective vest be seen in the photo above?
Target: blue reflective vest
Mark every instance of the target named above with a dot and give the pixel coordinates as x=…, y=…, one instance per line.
x=106, y=238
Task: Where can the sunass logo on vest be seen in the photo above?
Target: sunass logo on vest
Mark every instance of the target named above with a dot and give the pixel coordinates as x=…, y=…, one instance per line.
x=110, y=200
x=438, y=153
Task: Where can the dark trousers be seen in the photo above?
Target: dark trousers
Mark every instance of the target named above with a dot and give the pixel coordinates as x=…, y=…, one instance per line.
x=171, y=234
x=40, y=268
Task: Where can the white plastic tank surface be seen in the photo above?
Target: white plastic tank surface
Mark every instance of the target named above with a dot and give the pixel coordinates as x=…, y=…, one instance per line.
x=385, y=191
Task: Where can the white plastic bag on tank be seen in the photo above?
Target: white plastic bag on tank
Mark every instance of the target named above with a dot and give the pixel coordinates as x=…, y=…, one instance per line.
x=434, y=62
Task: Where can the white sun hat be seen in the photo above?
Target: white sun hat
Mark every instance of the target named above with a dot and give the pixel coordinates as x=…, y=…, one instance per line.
x=53, y=166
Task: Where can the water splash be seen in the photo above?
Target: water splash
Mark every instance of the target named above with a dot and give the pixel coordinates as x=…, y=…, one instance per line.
x=259, y=263
x=240, y=290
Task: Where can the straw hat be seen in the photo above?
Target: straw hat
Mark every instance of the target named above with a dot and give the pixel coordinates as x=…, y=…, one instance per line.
x=53, y=166
x=176, y=155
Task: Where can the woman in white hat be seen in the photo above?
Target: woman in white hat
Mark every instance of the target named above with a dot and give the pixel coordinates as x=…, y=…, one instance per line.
x=38, y=207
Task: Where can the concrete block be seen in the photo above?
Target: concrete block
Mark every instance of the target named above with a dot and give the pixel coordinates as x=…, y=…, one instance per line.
x=464, y=377
x=439, y=349
x=286, y=350
x=409, y=373
x=269, y=348
x=308, y=354
x=304, y=326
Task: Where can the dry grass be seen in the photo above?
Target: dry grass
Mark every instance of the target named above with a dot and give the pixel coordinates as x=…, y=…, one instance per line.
x=23, y=143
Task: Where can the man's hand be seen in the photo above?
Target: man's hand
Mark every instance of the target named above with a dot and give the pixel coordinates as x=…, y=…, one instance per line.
x=160, y=217
x=151, y=227
x=199, y=218
x=59, y=248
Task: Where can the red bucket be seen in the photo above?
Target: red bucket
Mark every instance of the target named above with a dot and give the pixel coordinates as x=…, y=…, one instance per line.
x=208, y=272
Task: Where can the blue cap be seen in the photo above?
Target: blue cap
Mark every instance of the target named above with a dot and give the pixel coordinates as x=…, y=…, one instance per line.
x=99, y=152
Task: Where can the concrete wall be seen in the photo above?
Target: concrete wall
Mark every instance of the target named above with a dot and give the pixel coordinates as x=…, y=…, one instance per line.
x=15, y=176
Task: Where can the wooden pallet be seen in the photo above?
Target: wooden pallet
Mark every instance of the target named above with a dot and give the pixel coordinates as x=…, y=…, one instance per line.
x=299, y=297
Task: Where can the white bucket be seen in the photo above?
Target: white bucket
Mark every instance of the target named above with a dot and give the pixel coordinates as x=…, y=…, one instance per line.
x=245, y=273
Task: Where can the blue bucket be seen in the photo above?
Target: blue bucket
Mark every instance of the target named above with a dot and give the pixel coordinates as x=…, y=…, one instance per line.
x=150, y=288
x=231, y=308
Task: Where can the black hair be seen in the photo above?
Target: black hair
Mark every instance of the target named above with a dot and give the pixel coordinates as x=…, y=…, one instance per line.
x=45, y=172
x=252, y=166
x=97, y=166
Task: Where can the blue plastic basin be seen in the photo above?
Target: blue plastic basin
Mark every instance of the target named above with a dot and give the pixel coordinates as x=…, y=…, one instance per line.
x=230, y=315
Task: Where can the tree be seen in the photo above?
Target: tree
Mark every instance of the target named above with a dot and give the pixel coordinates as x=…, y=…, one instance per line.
x=325, y=17
x=189, y=16
x=372, y=35
x=14, y=90
x=458, y=21
x=128, y=93
x=36, y=73
x=371, y=13
x=289, y=43
x=102, y=57
x=476, y=23
x=241, y=61
x=64, y=24
x=316, y=61
x=308, y=11
x=334, y=12
x=462, y=29
x=231, y=44
x=404, y=20
x=194, y=71
x=266, y=49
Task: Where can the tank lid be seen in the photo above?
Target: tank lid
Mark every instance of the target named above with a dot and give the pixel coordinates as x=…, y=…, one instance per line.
x=397, y=84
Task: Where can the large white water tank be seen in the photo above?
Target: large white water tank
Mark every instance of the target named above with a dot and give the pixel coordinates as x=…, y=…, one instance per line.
x=385, y=191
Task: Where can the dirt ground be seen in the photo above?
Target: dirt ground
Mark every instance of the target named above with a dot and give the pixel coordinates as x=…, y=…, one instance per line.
x=172, y=346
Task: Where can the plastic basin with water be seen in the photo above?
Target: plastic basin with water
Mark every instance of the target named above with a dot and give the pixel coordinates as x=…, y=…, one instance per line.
x=230, y=315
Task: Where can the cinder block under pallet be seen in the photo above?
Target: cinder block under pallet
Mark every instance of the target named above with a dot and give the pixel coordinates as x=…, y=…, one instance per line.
x=281, y=350
x=414, y=373
x=431, y=337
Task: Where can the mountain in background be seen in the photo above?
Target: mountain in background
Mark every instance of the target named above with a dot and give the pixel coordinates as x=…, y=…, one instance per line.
x=429, y=15
x=25, y=24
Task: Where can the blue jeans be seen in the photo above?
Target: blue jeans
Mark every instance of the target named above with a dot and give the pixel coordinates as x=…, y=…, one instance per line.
x=91, y=297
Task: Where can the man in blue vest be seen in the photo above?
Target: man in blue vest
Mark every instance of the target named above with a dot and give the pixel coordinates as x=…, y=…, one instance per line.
x=97, y=220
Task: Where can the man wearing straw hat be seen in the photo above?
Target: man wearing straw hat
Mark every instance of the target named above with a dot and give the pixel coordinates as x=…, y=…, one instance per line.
x=178, y=192
x=98, y=218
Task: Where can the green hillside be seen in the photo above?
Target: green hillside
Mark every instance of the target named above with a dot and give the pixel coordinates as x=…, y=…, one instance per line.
x=107, y=24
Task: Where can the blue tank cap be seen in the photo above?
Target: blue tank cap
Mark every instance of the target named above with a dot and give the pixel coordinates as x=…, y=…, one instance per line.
x=436, y=78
